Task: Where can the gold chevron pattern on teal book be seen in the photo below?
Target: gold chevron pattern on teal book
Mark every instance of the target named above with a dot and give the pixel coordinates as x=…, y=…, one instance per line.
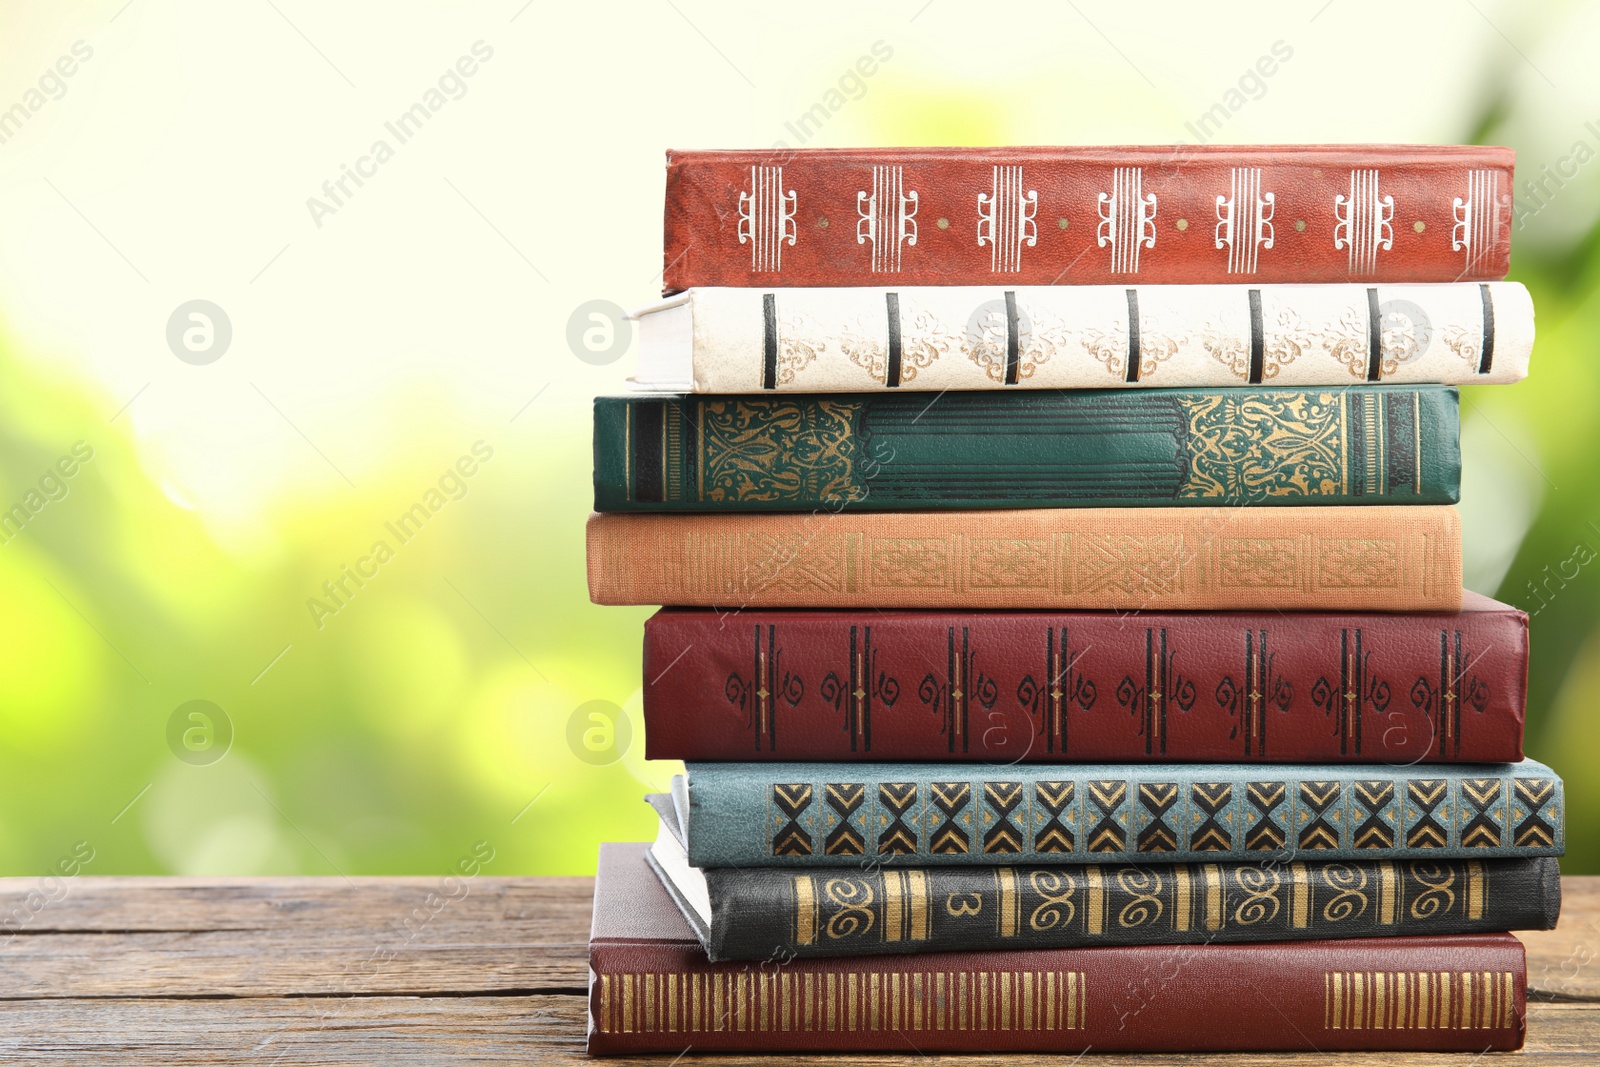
x=777, y=814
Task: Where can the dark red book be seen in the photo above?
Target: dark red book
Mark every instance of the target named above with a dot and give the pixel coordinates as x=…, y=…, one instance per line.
x=651, y=989
x=1047, y=216
x=1011, y=686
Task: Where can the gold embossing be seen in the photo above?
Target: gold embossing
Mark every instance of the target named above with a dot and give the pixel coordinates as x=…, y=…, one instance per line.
x=1349, y=900
x=1144, y=906
x=1097, y=900
x=1259, y=562
x=961, y=905
x=918, y=884
x=1259, y=445
x=1213, y=880
x=1008, y=563
x=1358, y=563
x=1006, y=878
x=1476, y=883
x=1143, y=565
x=914, y=562
x=1386, y=893
x=1301, y=881
x=805, y=910
x=1260, y=903
x=854, y=898
x=1055, y=886
x=1438, y=894
x=1184, y=891
x=774, y=450
x=893, y=905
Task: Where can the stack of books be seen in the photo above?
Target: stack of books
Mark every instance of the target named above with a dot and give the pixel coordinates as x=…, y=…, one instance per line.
x=1065, y=634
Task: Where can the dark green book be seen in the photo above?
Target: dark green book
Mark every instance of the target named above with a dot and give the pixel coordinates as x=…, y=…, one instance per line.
x=880, y=908
x=1379, y=444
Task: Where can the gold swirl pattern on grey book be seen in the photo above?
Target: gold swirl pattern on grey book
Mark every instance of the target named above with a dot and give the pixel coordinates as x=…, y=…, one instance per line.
x=1180, y=900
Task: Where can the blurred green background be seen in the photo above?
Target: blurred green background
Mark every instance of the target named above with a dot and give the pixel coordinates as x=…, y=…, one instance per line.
x=424, y=319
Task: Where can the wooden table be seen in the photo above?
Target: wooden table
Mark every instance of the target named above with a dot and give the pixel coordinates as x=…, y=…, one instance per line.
x=419, y=970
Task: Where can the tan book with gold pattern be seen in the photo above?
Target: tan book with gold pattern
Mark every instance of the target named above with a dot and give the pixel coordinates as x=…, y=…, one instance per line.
x=1303, y=558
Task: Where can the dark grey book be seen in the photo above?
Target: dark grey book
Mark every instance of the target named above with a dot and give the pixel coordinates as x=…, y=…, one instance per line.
x=880, y=907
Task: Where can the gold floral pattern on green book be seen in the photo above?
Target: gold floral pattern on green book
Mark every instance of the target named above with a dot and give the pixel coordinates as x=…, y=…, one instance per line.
x=800, y=451
x=1257, y=445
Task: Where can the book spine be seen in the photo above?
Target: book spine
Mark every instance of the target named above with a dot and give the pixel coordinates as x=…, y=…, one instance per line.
x=1101, y=336
x=1308, y=558
x=843, y=815
x=762, y=912
x=1463, y=993
x=854, y=686
x=1076, y=216
x=1372, y=445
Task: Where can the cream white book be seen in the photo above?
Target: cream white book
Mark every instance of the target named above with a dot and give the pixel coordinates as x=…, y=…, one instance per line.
x=932, y=338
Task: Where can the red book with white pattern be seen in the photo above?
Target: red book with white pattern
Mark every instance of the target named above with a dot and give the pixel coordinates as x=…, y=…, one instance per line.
x=1046, y=216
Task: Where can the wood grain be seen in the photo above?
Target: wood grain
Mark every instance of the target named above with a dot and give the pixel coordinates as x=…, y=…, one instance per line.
x=412, y=970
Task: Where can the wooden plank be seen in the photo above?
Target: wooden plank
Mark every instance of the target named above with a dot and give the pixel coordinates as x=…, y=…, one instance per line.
x=399, y=1031
x=318, y=936
x=1565, y=962
x=413, y=970
x=538, y=907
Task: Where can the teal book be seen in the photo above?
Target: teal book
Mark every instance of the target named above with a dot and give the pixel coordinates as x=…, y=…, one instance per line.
x=1378, y=444
x=836, y=814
